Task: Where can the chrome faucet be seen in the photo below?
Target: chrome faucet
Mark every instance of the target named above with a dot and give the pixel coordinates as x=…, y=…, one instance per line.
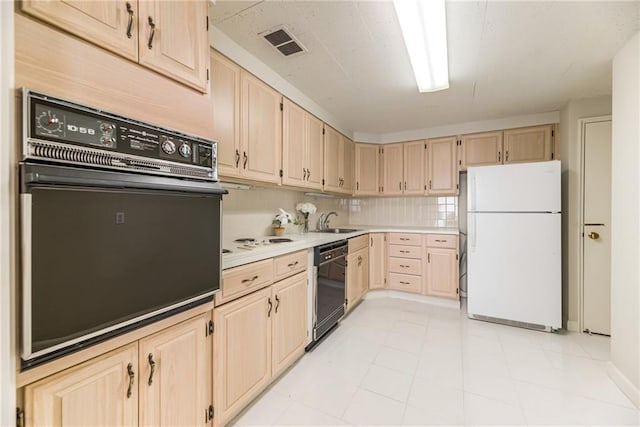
x=323, y=221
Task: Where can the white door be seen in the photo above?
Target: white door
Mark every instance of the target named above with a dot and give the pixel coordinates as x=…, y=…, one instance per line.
x=523, y=187
x=596, y=306
x=514, y=267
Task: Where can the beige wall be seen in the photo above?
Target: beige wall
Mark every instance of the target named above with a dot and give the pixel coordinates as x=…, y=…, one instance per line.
x=571, y=221
x=625, y=218
x=7, y=232
x=248, y=213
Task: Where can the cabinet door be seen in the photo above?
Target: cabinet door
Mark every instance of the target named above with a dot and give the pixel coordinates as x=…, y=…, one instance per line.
x=333, y=158
x=393, y=169
x=357, y=262
x=242, y=352
x=442, y=170
x=174, y=40
x=175, y=375
x=315, y=152
x=414, y=164
x=348, y=158
x=112, y=25
x=289, y=321
x=100, y=392
x=377, y=260
x=261, y=130
x=225, y=87
x=481, y=149
x=442, y=272
x=532, y=144
x=363, y=272
x=293, y=145
x=366, y=169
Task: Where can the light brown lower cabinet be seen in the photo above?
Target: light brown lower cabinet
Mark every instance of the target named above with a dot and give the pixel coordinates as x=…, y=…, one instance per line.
x=256, y=338
x=116, y=389
x=357, y=282
x=442, y=266
x=377, y=260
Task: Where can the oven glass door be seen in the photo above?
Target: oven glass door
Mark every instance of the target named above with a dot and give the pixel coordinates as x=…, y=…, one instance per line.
x=330, y=293
x=100, y=258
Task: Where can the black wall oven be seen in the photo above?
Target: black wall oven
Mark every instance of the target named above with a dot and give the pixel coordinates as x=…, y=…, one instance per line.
x=120, y=225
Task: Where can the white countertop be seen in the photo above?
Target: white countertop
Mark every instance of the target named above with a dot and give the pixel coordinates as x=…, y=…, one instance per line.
x=309, y=240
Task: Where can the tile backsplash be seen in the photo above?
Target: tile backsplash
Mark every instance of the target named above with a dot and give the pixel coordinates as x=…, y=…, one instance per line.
x=405, y=211
x=248, y=213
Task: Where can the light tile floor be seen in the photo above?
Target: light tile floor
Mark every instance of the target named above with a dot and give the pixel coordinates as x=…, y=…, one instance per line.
x=399, y=362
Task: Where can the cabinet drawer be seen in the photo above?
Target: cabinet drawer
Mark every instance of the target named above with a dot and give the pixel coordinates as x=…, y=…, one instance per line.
x=290, y=264
x=405, y=251
x=405, y=239
x=405, y=282
x=405, y=265
x=442, y=241
x=358, y=243
x=245, y=279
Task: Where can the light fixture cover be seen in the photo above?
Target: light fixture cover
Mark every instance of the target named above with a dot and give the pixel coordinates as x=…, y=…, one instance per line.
x=424, y=28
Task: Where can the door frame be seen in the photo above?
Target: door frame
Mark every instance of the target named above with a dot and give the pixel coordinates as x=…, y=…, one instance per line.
x=580, y=235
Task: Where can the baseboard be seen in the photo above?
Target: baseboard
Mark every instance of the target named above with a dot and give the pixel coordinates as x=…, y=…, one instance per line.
x=623, y=383
x=441, y=302
x=572, y=326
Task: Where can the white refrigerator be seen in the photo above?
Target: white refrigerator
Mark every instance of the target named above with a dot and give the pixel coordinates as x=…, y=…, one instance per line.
x=514, y=244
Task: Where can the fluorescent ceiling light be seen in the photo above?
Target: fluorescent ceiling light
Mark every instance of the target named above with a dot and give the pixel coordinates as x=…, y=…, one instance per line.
x=424, y=28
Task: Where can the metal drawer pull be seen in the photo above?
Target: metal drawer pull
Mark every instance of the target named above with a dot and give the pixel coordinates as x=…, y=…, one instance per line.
x=404, y=252
x=130, y=23
x=277, y=303
x=153, y=33
x=293, y=264
x=404, y=283
x=249, y=280
x=441, y=241
x=270, y=307
x=404, y=238
x=404, y=266
x=132, y=377
x=152, y=363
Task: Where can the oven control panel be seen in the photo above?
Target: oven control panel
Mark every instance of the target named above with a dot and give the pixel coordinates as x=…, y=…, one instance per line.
x=62, y=131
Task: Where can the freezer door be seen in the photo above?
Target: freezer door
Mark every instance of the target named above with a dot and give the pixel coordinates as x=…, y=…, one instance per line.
x=525, y=187
x=514, y=267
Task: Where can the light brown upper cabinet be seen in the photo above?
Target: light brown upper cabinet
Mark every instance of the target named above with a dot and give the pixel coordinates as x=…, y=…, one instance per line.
x=301, y=147
x=170, y=38
x=347, y=166
x=393, y=176
x=442, y=170
x=333, y=159
x=530, y=144
x=260, y=130
x=339, y=154
x=225, y=86
x=366, y=169
x=414, y=165
x=480, y=149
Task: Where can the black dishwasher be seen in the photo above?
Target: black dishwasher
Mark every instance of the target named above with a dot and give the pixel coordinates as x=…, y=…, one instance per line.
x=329, y=265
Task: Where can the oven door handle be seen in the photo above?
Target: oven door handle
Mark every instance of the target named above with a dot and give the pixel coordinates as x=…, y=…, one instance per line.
x=38, y=174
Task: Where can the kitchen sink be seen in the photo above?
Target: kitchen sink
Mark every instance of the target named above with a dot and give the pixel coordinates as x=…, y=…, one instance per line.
x=338, y=230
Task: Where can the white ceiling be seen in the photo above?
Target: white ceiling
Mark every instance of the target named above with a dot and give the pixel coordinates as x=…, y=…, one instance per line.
x=505, y=58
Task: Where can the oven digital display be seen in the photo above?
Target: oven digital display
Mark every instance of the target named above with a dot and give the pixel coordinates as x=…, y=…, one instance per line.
x=56, y=123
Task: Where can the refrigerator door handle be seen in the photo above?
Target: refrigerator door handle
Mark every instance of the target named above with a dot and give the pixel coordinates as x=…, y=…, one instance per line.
x=473, y=190
x=472, y=234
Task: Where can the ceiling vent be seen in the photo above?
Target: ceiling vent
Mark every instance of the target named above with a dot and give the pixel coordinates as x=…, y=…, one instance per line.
x=281, y=39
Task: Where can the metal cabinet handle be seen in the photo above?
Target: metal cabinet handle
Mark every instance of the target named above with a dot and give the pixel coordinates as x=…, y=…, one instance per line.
x=152, y=364
x=130, y=23
x=506, y=156
x=293, y=264
x=429, y=184
x=404, y=238
x=308, y=174
x=245, y=159
x=404, y=252
x=153, y=33
x=270, y=307
x=400, y=185
x=440, y=240
x=428, y=257
x=277, y=303
x=499, y=157
x=304, y=174
x=404, y=266
x=404, y=283
x=237, y=157
x=594, y=235
x=405, y=185
x=132, y=377
x=249, y=280
x=372, y=242
x=359, y=260
x=357, y=185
